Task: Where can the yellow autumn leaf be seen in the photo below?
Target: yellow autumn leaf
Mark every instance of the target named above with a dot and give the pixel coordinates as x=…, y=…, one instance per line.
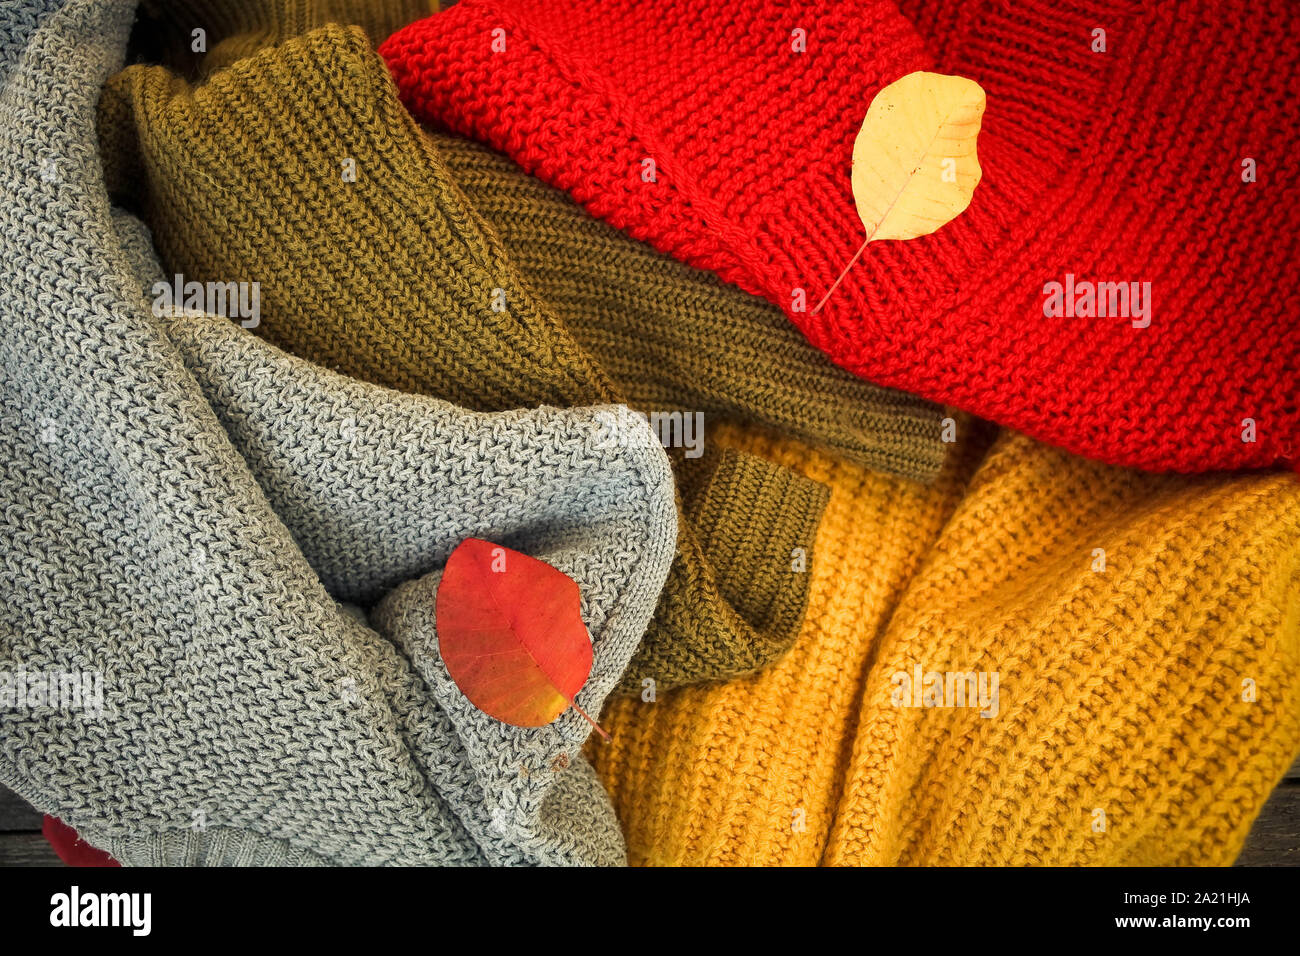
x=914, y=162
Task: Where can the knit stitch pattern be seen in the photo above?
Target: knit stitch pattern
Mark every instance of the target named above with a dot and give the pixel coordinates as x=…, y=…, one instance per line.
x=673, y=338
x=182, y=508
x=1122, y=690
x=1109, y=167
x=392, y=279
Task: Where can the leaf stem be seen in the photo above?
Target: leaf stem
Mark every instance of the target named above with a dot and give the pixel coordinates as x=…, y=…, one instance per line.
x=855, y=258
x=599, y=729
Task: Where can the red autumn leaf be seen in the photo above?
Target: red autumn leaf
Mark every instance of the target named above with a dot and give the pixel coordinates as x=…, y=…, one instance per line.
x=511, y=634
x=71, y=849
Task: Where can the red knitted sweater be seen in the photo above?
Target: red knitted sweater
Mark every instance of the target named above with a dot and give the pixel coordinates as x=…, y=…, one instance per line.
x=1122, y=165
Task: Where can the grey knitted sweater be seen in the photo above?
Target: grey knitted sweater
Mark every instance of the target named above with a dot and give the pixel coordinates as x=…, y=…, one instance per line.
x=195, y=520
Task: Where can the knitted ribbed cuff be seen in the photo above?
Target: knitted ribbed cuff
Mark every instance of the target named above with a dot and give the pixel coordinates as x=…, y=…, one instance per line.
x=211, y=846
x=657, y=324
x=757, y=521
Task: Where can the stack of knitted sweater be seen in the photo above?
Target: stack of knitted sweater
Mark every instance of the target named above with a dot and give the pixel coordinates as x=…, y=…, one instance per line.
x=298, y=295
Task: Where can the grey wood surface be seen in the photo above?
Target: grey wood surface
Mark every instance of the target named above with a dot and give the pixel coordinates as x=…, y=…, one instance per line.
x=15, y=815
x=1275, y=838
x=1274, y=841
x=26, y=849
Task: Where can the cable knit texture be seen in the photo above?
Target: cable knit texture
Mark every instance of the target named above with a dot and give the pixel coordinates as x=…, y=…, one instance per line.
x=1109, y=167
x=1120, y=690
x=395, y=279
x=185, y=507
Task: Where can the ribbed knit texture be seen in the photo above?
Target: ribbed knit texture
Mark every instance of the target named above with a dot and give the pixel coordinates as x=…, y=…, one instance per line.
x=182, y=508
x=1119, y=690
x=676, y=337
x=1123, y=166
x=392, y=278
x=671, y=337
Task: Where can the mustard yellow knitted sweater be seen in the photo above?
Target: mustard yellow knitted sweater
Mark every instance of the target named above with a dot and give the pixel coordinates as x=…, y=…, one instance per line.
x=1144, y=629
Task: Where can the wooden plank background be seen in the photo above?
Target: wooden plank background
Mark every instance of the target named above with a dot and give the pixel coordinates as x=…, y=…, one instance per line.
x=1274, y=841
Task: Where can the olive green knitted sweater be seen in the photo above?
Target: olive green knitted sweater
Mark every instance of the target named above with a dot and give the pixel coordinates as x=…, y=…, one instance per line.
x=390, y=275
x=670, y=336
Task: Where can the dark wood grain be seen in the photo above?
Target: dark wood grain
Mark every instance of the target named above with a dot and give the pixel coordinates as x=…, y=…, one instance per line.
x=26, y=849
x=16, y=815
x=1275, y=838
